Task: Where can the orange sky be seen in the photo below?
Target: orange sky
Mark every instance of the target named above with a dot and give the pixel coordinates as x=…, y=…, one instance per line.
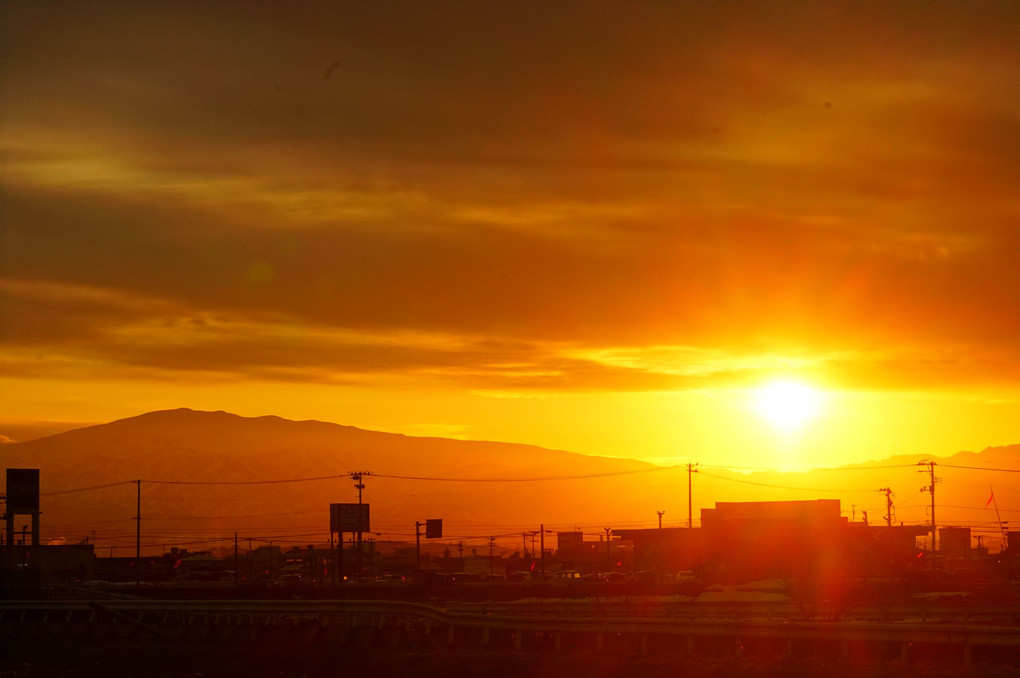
x=592, y=226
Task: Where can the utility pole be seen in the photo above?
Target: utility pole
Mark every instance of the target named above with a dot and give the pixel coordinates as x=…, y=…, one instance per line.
x=660, y=514
x=888, y=505
x=930, y=463
x=541, y=545
x=237, y=571
x=138, y=535
x=138, y=519
x=340, y=557
x=417, y=550
x=357, y=476
x=690, y=511
x=609, y=558
x=492, y=541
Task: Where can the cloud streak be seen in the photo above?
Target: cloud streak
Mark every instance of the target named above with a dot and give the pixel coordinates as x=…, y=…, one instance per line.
x=526, y=199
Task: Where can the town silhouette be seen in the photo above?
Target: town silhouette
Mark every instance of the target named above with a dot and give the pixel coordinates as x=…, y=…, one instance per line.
x=788, y=579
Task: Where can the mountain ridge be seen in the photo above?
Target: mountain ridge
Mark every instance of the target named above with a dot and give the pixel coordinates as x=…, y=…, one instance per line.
x=203, y=474
x=237, y=423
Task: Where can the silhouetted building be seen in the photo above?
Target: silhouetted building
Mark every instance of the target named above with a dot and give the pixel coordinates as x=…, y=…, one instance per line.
x=746, y=541
x=570, y=544
x=667, y=549
x=130, y=569
x=782, y=539
x=883, y=551
x=200, y=567
x=954, y=542
x=63, y=563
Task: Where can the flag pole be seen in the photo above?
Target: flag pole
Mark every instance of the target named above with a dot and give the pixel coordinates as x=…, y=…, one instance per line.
x=1005, y=541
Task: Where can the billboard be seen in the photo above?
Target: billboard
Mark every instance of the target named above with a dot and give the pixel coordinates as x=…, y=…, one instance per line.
x=348, y=517
x=22, y=490
x=434, y=528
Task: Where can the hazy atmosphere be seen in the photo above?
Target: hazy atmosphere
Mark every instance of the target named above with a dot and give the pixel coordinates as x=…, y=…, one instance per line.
x=755, y=234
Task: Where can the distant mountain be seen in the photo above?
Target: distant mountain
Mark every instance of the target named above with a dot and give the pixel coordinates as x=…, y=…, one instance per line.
x=176, y=453
x=204, y=478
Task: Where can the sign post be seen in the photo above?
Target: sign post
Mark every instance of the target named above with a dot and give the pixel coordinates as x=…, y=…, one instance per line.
x=22, y=498
x=346, y=518
x=433, y=530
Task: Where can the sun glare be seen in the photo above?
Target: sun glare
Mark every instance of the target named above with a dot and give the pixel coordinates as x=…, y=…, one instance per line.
x=787, y=405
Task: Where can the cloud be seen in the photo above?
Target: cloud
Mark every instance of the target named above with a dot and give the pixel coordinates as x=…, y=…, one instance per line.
x=148, y=339
x=534, y=198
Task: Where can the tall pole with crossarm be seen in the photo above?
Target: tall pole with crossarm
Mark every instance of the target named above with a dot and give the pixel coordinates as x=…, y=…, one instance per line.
x=930, y=463
x=357, y=476
x=690, y=505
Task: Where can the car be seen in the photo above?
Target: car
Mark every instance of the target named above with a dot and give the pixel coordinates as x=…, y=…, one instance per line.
x=613, y=576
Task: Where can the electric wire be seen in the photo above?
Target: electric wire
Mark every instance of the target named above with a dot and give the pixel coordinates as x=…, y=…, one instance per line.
x=86, y=489
x=799, y=470
x=501, y=535
x=780, y=487
x=246, y=482
x=581, y=476
x=981, y=468
x=531, y=479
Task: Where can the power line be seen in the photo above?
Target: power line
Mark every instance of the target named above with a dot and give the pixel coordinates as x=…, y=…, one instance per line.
x=92, y=522
x=376, y=475
x=582, y=476
x=532, y=479
x=780, y=487
x=244, y=482
x=87, y=489
x=250, y=515
x=982, y=468
x=978, y=508
x=800, y=470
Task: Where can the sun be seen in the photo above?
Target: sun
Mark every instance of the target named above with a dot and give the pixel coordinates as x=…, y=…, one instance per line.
x=786, y=404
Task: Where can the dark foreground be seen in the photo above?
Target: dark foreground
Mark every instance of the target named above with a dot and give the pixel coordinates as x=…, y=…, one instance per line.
x=39, y=659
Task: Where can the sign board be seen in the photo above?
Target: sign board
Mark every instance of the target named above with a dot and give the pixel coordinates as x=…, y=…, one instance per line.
x=348, y=517
x=434, y=528
x=22, y=490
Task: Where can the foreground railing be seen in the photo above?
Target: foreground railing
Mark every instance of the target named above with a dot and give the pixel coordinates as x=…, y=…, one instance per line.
x=422, y=626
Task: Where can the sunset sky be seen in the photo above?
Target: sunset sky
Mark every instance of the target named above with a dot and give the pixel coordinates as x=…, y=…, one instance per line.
x=596, y=226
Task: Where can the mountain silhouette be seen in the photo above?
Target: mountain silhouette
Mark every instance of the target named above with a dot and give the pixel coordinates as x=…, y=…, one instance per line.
x=208, y=475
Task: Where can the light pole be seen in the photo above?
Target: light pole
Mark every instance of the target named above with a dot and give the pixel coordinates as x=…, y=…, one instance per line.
x=690, y=511
x=609, y=558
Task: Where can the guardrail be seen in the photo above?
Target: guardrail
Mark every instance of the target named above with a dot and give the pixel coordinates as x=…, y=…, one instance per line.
x=431, y=626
